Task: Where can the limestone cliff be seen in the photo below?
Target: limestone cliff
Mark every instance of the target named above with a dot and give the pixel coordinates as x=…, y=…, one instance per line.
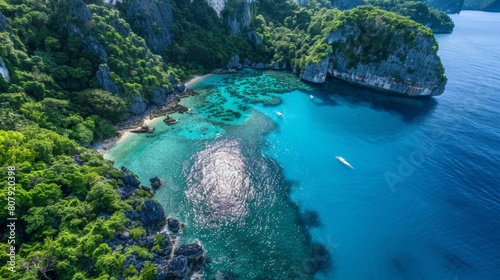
x=482, y=5
x=4, y=24
x=238, y=17
x=81, y=19
x=236, y=14
x=152, y=20
x=4, y=72
x=4, y=27
x=370, y=53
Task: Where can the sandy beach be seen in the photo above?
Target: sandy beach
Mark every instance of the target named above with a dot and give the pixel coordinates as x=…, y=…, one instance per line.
x=103, y=146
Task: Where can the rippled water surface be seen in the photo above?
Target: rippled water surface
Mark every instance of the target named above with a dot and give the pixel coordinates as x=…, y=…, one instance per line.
x=266, y=196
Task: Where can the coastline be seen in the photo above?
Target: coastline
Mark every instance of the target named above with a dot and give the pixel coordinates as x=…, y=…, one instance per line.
x=124, y=129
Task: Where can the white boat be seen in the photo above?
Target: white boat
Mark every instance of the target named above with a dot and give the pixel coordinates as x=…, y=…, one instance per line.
x=343, y=161
x=311, y=96
x=280, y=114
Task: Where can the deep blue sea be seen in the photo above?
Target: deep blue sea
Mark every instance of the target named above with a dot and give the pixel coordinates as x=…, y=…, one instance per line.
x=268, y=199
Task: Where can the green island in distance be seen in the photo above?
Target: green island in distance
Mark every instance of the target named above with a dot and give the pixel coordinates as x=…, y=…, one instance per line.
x=72, y=70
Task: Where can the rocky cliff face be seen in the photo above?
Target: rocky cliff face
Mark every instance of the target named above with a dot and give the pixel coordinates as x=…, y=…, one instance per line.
x=4, y=72
x=4, y=27
x=235, y=13
x=239, y=18
x=152, y=20
x=411, y=68
x=80, y=16
x=136, y=104
x=217, y=5
x=4, y=23
x=316, y=72
x=482, y=5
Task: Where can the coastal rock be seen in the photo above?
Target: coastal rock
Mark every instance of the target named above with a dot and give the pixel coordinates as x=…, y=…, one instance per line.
x=402, y=66
x=160, y=96
x=153, y=215
x=129, y=178
x=234, y=62
x=126, y=191
x=152, y=20
x=193, y=251
x=279, y=65
x=178, y=267
x=137, y=106
x=173, y=224
x=156, y=182
x=260, y=65
x=315, y=72
x=246, y=63
x=180, y=87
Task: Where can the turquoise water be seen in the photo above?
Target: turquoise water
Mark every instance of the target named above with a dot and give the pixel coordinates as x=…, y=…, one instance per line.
x=265, y=194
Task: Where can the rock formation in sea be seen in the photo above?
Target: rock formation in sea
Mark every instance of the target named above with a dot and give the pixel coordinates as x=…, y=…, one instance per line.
x=365, y=53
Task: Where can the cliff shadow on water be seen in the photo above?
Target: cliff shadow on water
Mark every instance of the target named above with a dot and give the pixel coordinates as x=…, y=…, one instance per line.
x=410, y=109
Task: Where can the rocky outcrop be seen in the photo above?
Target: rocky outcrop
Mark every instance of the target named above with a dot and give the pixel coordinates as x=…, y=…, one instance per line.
x=4, y=72
x=254, y=38
x=394, y=62
x=315, y=72
x=239, y=18
x=152, y=20
x=234, y=62
x=156, y=182
x=103, y=76
x=4, y=24
x=80, y=16
x=173, y=224
x=135, y=104
x=482, y=5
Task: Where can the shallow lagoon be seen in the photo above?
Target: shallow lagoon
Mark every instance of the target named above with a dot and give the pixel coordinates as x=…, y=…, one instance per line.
x=260, y=191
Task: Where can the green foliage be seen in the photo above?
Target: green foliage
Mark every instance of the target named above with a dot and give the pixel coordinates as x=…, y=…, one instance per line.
x=438, y=22
x=59, y=205
x=100, y=102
